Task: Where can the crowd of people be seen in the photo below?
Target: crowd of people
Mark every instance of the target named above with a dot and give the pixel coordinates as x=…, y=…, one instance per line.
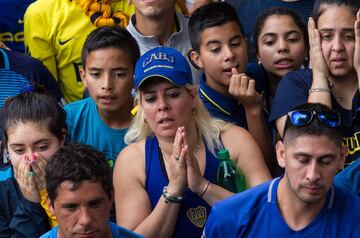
x=111, y=125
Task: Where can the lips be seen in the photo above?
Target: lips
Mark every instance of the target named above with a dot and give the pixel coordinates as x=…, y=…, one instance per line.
x=314, y=189
x=107, y=99
x=165, y=120
x=338, y=61
x=228, y=69
x=86, y=234
x=283, y=63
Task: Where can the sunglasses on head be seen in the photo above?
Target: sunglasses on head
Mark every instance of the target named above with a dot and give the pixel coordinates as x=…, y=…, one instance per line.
x=303, y=117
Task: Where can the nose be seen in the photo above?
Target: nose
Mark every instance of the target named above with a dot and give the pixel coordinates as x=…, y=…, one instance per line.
x=229, y=53
x=162, y=103
x=84, y=217
x=107, y=83
x=313, y=172
x=283, y=46
x=337, y=44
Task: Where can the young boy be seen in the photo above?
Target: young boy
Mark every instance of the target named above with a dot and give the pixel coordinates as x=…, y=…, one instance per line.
x=108, y=57
x=220, y=50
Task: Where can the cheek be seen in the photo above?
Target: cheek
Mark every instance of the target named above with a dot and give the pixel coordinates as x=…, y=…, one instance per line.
x=49, y=152
x=326, y=49
x=15, y=159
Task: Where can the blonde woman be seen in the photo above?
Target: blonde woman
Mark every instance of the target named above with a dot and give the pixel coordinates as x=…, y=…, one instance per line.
x=165, y=179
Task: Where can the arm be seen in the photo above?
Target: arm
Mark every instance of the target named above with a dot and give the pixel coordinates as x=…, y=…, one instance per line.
x=319, y=68
x=36, y=39
x=357, y=47
x=247, y=155
x=133, y=207
x=38, y=165
x=243, y=89
x=20, y=217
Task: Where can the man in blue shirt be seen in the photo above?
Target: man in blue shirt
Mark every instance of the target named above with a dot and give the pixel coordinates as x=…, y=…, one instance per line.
x=80, y=194
x=303, y=202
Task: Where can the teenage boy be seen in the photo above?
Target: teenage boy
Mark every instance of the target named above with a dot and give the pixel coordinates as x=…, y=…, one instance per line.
x=157, y=23
x=80, y=194
x=108, y=57
x=219, y=49
x=303, y=202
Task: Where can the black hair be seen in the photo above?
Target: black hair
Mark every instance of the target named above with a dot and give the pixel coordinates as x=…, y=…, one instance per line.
x=210, y=15
x=76, y=163
x=281, y=11
x=110, y=37
x=321, y=5
x=34, y=107
x=315, y=127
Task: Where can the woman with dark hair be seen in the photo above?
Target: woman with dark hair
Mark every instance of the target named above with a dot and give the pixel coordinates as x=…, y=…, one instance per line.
x=281, y=43
x=34, y=129
x=334, y=34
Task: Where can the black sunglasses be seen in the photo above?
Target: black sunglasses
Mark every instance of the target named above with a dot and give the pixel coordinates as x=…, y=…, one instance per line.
x=304, y=117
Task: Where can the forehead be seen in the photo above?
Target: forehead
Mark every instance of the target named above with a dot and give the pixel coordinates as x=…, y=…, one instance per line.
x=311, y=144
x=85, y=192
x=336, y=17
x=111, y=56
x=222, y=33
x=27, y=132
x=279, y=24
x=155, y=82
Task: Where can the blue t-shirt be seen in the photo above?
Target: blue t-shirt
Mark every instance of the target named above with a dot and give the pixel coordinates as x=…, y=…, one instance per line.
x=194, y=210
x=116, y=231
x=349, y=178
x=85, y=126
x=293, y=90
x=227, y=108
x=255, y=213
x=249, y=10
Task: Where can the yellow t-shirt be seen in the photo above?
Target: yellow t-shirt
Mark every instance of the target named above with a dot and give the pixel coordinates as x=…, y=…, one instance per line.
x=54, y=33
x=51, y=217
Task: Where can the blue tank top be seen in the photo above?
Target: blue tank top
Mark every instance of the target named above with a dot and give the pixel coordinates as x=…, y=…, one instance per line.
x=194, y=210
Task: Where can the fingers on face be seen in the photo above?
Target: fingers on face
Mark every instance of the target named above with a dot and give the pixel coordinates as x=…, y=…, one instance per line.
x=357, y=25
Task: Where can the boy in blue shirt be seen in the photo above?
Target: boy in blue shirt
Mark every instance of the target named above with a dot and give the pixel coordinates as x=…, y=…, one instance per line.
x=80, y=194
x=219, y=49
x=303, y=202
x=108, y=57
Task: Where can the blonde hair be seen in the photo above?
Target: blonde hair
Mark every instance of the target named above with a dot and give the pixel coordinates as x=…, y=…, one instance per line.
x=100, y=13
x=207, y=127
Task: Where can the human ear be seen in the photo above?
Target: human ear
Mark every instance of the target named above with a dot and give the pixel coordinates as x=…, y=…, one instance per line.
x=83, y=77
x=50, y=205
x=64, y=136
x=343, y=155
x=280, y=153
x=195, y=60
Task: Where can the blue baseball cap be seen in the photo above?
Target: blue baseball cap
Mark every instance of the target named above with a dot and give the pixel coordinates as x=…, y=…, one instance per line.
x=167, y=63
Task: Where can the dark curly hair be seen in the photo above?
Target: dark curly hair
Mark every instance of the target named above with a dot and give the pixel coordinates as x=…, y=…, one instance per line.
x=76, y=163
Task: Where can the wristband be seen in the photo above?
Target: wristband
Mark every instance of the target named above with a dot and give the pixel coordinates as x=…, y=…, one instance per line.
x=316, y=90
x=170, y=198
x=205, y=189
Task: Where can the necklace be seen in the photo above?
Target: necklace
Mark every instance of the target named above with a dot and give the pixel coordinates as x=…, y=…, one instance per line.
x=195, y=151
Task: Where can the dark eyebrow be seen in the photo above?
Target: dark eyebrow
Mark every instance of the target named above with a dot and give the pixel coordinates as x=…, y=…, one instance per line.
x=99, y=69
x=332, y=29
x=67, y=205
x=36, y=142
x=218, y=42
x=95, y=201
x=212, y=42
x=286, y=33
